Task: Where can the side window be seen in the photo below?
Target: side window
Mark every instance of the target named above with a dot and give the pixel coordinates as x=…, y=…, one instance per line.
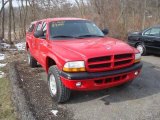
x=39, y=25
x=155, y=32
x=147, y=32
x=44, y=28
x=31, y=28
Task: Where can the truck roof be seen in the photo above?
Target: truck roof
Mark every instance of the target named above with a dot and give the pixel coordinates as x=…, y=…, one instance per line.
x=59, y=19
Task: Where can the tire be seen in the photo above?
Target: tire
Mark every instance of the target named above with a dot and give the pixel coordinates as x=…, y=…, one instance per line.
x=58, y=91
x=141, y=48
x=31, y=60
x=125, y=85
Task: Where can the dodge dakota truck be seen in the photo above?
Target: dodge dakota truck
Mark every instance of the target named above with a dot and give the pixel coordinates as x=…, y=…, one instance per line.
x=78, y=56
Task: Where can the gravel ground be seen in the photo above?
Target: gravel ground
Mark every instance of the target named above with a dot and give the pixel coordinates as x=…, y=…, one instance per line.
x=140, y=101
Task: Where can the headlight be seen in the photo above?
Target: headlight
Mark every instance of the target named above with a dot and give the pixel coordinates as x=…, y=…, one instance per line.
x=137, y=57
x=76, y=66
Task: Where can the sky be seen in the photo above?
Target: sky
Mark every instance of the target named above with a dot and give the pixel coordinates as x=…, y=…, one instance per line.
x=15, y=3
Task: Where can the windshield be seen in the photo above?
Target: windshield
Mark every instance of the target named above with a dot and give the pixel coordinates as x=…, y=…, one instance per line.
x=74, y=29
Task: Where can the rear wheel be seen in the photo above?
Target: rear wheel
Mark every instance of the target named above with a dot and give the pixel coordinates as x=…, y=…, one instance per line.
x=141, y=48
x=57, y=90
x=31, y=60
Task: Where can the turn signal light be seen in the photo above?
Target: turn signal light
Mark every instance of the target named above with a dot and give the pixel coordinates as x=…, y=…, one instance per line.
x=74, y=69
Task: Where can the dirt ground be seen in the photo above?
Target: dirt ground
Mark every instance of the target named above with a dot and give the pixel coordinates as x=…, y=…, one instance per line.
x=37, y=93
x=140, y=101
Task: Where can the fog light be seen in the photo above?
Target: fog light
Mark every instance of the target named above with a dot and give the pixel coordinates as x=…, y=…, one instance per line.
x=136, y=73
x=78, y=84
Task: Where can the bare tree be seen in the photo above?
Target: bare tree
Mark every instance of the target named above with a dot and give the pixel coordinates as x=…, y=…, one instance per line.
x=144, y=14
x=158, y=11
x=3, y=16
x=14, y=24
x=81, y=7
x=10, y=22
x=3, y=5
x=120, y=16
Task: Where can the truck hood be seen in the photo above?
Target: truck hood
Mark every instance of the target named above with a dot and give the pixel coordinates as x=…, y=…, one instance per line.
x=94, y=47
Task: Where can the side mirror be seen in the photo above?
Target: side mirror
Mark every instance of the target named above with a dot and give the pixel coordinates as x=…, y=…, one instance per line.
x=39, y=34
x=105, y=31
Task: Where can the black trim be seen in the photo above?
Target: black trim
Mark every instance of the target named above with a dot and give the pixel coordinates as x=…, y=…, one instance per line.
x=152, y=47
x=88, y=75
x=132, y=44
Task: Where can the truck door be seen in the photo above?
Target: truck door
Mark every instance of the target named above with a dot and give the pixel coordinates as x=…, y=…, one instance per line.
x=36, y=40
x=43, y=45
x=30, y=37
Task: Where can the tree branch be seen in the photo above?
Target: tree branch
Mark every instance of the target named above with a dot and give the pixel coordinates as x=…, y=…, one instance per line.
x=3, y=6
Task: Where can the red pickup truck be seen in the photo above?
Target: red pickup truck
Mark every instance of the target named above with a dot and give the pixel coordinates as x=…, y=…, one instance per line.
x=77, y=55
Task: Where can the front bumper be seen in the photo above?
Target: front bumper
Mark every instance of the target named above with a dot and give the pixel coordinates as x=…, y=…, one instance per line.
x=99, y=80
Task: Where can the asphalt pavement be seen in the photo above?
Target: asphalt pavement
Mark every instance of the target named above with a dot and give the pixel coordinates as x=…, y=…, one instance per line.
x=139, y=101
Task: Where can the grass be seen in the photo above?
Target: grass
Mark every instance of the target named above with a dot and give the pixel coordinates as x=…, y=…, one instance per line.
x=6, y=108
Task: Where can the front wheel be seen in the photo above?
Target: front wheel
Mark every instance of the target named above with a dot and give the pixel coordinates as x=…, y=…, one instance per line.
x=57, y=90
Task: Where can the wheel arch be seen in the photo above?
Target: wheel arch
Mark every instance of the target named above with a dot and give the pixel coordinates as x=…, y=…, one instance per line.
x=139, y=43
x=50, y=62
x=27, y=46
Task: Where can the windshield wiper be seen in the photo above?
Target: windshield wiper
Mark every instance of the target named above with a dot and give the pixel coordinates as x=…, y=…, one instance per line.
x=89, y=36
x=78, y=37
x=63, y=36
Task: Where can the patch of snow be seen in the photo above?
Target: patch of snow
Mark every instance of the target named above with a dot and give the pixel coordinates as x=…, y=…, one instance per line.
x=5, y=45
x=2, y=56
x=21, y=46
x=12, y=49
x=149, y=16
x=1, y=74
x=54, y=112
x=2, y=65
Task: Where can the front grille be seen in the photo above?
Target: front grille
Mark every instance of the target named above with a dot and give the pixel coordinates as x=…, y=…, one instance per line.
x=122, y=56
x=98, y=59
x=122, y=62
x=104, y=63
x=111, y=79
